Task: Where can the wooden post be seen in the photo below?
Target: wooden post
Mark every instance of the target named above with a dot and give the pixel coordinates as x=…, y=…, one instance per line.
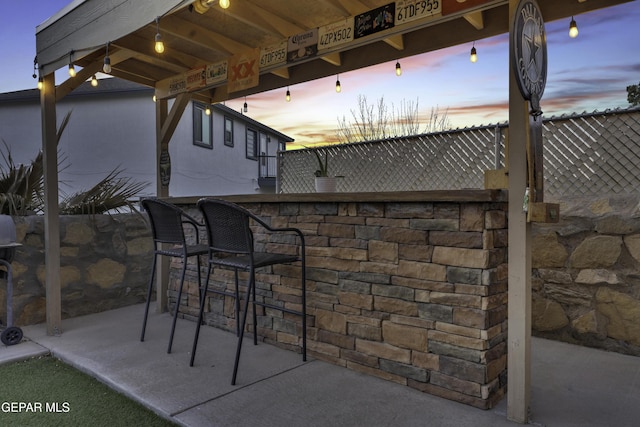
x=166, y=123
x=519, y=311
x=162, y=267
x=51, y=208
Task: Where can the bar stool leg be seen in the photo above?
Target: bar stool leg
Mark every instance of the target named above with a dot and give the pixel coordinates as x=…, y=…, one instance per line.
x=146, y=308
x=200, y=317
x=237, y=305
x=177, y=307
x=242, y=327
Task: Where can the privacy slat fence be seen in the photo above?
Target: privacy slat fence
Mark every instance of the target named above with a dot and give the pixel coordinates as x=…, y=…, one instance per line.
x=584, y=154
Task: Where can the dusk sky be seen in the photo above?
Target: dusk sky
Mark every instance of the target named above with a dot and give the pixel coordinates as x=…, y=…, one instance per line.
x=588, y=73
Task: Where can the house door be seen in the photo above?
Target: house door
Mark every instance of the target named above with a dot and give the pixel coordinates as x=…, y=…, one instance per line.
x=264, y=156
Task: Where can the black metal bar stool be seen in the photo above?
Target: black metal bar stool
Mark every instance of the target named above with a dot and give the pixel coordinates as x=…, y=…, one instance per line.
x=231, y=245
x=167, y=227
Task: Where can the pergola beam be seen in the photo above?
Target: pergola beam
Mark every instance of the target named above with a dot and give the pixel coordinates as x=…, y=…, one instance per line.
x=260, y=18
x=201, y=36
x=111, y=20
x=476, y=19
x=73, y=82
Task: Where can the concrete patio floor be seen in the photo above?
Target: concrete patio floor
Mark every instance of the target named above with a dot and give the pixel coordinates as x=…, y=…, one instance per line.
x=571, y=385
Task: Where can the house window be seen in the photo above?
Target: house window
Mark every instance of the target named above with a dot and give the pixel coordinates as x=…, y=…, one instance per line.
x=228, y=132
x=252, y=144
x=202, y=126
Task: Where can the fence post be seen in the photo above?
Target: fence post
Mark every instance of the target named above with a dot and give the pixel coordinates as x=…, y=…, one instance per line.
x=278, y=170
x=496, y=147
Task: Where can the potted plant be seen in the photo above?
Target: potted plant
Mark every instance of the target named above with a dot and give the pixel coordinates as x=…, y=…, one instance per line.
x=324, y=182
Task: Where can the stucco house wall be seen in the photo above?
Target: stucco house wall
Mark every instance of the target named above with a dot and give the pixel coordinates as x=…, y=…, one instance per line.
x=113, y=126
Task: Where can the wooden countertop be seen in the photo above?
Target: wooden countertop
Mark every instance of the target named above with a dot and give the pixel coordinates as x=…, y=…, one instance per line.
x=476, y=196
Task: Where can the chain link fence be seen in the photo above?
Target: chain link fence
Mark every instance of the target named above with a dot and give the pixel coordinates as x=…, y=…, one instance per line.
x=584, y=154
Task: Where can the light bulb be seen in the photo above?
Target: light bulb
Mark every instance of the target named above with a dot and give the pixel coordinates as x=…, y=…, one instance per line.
x=159, y=46
x=154, y=98
x=474, y=55
x=245, y=108
x=107, y=65
x=94, y=81
x=224, y=4
x=573, y=29
x=398, y=69
x=288, y=96
x=338, y=86
x=40, y=83
x=207, y=111
x=72, y=70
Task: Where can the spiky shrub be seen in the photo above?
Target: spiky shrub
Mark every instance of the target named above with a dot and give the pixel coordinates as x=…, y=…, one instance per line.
x=22, y=188
x=323, y=166
x=112, y=194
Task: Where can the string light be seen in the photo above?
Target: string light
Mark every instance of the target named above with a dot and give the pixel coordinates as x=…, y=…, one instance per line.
x=245, y=108
x=474, y=54
x=107, y=61
x=288, y=95
x=72, y=70
x=35, y=76
x=207, y=110
x=573, y=28
x=154, y=98
x=398, y=69
x=159, y=46
x=94, y=81
x=338, y=86
x=202, y=6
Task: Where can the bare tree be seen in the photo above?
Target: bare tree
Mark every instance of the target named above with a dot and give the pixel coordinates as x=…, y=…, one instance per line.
x=369, y=123
x=405, y=120
x=438, y=122
x=374, y=122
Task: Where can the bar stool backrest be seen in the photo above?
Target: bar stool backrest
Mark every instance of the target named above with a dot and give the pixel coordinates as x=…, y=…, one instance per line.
x=227, y=226
x=166, y=221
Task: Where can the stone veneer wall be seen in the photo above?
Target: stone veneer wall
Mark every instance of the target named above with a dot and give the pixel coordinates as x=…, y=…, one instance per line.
x=586, y=274
x=105, y=264
x=414, y=293
x=586, y=285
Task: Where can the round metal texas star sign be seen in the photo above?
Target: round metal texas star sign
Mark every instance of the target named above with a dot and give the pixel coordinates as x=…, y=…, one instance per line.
x=530, y=53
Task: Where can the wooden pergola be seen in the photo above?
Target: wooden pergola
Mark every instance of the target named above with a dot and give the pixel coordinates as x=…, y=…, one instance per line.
x=213, y=54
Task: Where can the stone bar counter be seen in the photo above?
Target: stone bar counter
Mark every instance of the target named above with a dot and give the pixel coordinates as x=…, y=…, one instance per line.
x=407, y=286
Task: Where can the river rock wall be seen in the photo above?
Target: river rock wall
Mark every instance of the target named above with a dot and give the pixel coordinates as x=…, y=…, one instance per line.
x=586, y=274
x=105, y=263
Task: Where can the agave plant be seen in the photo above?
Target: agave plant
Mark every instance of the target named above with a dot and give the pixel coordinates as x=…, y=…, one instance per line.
x=22, y=188
x=323, y=165
x=112, y=194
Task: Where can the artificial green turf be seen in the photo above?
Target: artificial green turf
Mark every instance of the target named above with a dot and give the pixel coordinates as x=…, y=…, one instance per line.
x=47, y=392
